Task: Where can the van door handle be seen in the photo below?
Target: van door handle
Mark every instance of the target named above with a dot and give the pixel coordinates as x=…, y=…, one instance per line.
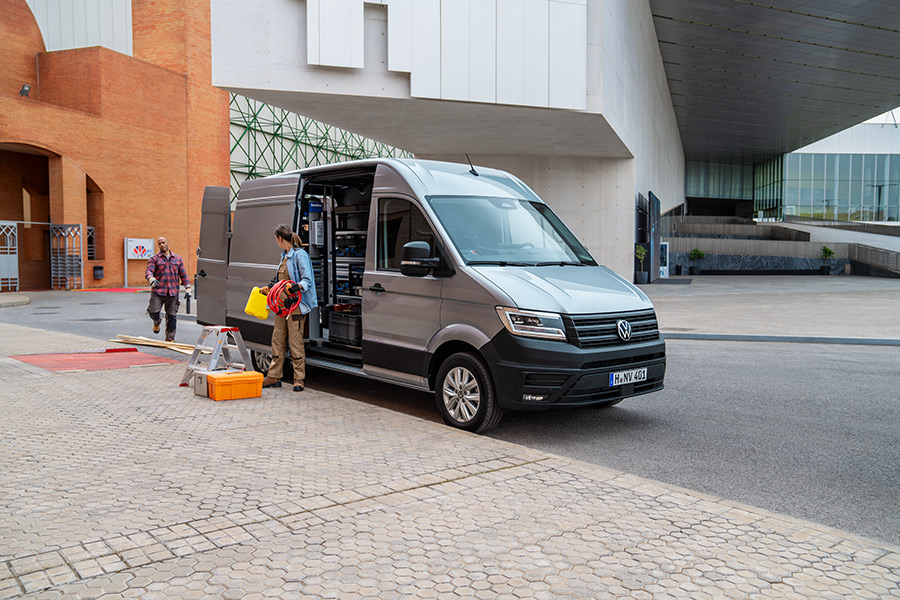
x=201, y=273
x=377, y=288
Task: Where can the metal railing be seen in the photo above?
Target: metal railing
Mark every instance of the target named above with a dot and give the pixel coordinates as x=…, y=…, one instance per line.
x=9, y=257
x=875, y=257
x=91, y=243
x=669, y=222
x=849, y=225
x=66, y=266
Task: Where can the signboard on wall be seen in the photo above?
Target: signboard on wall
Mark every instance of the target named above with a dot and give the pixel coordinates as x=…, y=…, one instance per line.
x=138, y=248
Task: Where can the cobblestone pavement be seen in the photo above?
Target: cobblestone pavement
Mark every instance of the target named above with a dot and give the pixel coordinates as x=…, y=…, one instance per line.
x=120, y=484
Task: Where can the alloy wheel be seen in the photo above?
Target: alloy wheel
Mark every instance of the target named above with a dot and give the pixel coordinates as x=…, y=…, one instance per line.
x=461, y=394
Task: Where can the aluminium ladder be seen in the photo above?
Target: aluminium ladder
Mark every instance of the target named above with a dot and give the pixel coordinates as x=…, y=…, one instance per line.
x=226, y=348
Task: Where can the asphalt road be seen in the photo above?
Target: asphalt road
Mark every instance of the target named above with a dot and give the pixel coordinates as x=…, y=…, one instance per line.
x=100, y=315
x=808, y=430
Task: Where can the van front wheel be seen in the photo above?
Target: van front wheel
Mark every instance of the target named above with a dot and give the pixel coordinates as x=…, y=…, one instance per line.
x=465, y=394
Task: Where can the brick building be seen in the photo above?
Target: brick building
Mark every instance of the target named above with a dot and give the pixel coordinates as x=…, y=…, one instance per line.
x=121, y=144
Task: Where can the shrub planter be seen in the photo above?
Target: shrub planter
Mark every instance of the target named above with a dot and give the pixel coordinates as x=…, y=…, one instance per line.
x=695, y=255
x=641, y=277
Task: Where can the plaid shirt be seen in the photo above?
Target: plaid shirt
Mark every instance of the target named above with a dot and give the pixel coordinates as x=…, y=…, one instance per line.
x=167, y=270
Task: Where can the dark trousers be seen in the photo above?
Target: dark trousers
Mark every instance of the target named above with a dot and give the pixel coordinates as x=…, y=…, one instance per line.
x=171, y=304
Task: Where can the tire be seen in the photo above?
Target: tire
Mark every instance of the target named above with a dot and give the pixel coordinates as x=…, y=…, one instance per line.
x=261, y=361
x=464, y=393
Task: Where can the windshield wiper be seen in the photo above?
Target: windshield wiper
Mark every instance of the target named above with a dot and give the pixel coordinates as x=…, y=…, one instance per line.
x=560, y=263
x=500, y=263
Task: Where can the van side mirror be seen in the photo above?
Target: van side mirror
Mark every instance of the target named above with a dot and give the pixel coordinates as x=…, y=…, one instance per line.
x=416, y=259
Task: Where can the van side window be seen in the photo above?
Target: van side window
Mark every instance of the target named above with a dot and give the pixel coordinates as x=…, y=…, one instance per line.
x=399, y=222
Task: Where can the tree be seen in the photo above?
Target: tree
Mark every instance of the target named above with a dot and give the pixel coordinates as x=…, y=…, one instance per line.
x=640, y=253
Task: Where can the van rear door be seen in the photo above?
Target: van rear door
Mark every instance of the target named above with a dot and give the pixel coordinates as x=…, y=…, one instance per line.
x=212, y=255
x=262, y=205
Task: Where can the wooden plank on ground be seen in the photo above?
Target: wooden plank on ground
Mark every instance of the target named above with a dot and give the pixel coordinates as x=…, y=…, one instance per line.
x=143, y=341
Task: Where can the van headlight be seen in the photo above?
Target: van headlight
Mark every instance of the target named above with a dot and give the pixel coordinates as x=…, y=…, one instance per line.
x=529, y=323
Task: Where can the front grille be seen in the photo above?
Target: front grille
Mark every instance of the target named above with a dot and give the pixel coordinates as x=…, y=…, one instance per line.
x=599, y=331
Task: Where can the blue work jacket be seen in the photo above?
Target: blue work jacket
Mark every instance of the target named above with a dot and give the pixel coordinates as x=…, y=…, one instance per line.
x=300, y=270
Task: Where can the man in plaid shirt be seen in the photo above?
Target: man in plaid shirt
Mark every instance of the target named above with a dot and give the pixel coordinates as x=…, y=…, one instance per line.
x=164, y=272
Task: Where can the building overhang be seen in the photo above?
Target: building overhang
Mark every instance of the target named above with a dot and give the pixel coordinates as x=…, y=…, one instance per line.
x=751, y=80
x=427, y=127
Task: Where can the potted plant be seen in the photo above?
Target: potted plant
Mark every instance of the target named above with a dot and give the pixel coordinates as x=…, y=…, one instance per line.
x=640, y=253
x=695, y=255
x=827, y=253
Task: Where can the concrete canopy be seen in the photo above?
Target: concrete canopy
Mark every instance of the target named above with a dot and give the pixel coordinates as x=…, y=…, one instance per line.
x=430, y=127
x=569, y=95
x=750, y=80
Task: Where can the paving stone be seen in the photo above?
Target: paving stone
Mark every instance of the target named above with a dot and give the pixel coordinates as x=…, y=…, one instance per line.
x=121, y=483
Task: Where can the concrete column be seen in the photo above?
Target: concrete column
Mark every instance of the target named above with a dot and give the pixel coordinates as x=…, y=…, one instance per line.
x=68, y=196
x=68, y=192
x=595, y=197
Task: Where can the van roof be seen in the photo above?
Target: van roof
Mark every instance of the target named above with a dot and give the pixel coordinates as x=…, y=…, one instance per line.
x=439, y=178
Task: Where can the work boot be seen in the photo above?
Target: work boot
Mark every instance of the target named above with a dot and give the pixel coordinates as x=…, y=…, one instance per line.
x=271, y=382
x=170, y=336
x=156, y=325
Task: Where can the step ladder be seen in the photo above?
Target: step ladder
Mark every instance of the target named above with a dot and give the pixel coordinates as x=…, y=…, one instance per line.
x=226, y=352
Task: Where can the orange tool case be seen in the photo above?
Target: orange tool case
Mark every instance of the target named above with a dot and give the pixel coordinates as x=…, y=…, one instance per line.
x=234, y=385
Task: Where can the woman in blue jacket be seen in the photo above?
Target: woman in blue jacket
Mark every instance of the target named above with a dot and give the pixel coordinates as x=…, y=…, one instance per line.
x=288, y=333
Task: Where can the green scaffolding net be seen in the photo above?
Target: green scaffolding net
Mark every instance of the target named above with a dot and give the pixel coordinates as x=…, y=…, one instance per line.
x=266, y=140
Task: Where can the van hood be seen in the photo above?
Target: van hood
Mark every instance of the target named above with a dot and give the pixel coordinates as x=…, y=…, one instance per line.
x=566, y=289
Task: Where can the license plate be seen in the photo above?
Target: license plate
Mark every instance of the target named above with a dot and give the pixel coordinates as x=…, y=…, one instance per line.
x=623, y=377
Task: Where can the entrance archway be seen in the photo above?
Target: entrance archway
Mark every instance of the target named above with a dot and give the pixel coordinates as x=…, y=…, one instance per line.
x=57, y=211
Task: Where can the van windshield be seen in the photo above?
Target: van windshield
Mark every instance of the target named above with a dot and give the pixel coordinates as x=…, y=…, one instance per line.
x=503, y=231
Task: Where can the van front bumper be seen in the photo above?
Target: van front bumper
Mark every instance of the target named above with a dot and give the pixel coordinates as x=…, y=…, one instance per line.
x=532, y=374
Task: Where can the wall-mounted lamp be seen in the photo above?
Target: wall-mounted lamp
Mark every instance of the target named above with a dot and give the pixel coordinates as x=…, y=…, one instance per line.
x=25, y=89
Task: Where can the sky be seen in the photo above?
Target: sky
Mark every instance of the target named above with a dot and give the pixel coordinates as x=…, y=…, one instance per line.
x=886, y=117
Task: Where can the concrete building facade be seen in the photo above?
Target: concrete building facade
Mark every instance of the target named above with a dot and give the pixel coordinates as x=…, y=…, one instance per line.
x=594, y=103
x=571, y=96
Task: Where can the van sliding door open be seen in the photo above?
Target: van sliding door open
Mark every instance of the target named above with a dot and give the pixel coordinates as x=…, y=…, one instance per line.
x=333, y=220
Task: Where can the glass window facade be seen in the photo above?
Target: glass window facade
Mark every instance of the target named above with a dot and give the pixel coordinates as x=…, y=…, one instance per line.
x=718, y=180
x=841, y=187
x=768, y=185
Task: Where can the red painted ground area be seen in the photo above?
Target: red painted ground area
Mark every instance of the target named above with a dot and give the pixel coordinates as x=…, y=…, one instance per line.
x=93, y=361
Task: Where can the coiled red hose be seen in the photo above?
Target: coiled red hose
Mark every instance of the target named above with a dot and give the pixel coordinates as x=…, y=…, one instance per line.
x=280, y=301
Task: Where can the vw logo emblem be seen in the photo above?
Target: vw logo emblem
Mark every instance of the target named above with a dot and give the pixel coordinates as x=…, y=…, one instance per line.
x=624, y=329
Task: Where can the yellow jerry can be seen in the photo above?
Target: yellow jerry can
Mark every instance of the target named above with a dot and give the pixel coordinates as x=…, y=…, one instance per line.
x=256, y=305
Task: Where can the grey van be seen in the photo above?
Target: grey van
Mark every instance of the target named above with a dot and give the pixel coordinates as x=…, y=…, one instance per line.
x=437, y=276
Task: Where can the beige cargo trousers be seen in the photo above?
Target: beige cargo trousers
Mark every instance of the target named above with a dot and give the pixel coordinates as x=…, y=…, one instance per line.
x=288, y=333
